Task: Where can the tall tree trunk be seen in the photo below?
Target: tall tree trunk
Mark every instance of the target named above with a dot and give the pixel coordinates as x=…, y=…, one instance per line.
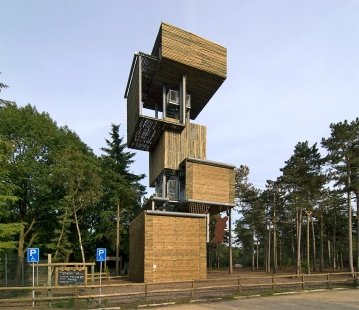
x=117, y=238
x=21, y=245
x=20, y=254
x=308, y=248
x=313, y=246
x=62, y=233
x=269, y=251
x=299, y=233
x=275, y=262
x=252, y=250
x=257, y=257
x=292, y=247
x=321, y=243
x=230, y=241
x=357, y=253
x=329, y=253
x=281, y=251
x=244, y=257
x=335, y=239
x=350, y=233
x=80, y=239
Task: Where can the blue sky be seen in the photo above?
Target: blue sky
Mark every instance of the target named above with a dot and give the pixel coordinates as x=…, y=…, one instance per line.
x=293, y=68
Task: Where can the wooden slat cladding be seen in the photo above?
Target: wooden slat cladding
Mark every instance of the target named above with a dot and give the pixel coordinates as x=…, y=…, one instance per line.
x=203, y=62
x=209, y=183
x=133, y=106
x=166, y=248
x=173, y=147
x=178, y=249
x=137, y=249
x=192, y=50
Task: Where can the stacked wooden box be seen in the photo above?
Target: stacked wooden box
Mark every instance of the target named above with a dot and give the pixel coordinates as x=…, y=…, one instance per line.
x=189, y=49
x=173, y=147
x=174, y=248
x=206, y=182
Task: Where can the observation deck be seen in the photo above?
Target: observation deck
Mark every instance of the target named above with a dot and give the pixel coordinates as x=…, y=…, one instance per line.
x=176, y=53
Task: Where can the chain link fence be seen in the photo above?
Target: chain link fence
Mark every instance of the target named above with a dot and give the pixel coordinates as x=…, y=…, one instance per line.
x=15, y=271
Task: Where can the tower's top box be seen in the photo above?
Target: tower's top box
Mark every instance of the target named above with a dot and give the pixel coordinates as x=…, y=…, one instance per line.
x=180, y=52
x=189, y=49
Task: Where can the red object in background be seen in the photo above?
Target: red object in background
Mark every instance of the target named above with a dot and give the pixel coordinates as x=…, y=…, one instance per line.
x=219, y=232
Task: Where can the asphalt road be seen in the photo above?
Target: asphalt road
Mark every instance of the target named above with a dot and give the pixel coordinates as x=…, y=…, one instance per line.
x=329, y=300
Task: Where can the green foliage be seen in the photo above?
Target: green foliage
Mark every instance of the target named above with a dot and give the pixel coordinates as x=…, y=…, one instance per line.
x=122, y=190
x=343, y=154
x=2, y=85
x=55, y=192
x=301, y=187
x=302, y=176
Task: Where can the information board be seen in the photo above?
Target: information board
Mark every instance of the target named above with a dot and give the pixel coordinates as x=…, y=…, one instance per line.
x=71, y=277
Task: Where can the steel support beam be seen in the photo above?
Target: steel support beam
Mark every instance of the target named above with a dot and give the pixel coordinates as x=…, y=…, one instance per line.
x=140, y=84
x=163, y=101
x=183, y=100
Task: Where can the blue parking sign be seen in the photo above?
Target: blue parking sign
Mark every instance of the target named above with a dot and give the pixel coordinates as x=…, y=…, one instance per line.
x=33, y=255
x=100, y=254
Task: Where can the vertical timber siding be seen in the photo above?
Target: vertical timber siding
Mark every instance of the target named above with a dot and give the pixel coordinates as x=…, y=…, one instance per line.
x=173, y=147
x=175, y=249
x=133, y=105
x=171, y=249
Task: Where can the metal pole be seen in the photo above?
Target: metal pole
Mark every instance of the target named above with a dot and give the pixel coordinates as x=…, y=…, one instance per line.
x=33, y=284
x=164, y=185
x=183, y=100
x=140, y=84
x=99, y=302
x=230, y=241
x=163, y=101
x=37, y=274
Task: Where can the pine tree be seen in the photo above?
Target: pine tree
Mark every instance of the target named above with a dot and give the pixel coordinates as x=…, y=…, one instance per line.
x=342, y=147
x=303, y=180
x=122, y=190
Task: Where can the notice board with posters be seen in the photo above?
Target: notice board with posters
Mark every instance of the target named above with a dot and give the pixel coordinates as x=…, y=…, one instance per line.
x=71, y=277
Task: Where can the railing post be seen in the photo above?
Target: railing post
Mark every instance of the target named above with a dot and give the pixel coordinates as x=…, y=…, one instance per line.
x=146, y=291
x=328, y=279
x=76, y=295
x=273, y=282
x=192, y=291
x=49, y=274
x=303, y=286
x=239, y=286
x=92, y=282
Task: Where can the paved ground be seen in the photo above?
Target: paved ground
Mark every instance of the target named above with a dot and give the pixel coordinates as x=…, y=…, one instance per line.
x=329, y=300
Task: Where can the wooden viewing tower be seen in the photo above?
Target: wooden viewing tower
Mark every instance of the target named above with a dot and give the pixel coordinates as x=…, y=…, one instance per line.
x=168, y=239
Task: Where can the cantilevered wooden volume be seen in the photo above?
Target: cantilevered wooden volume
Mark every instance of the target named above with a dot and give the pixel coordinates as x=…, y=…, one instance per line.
x=174, y=83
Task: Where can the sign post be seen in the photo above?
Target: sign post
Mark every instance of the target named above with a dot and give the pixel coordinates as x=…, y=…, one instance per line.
x=100, y=257
x=33, y=257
